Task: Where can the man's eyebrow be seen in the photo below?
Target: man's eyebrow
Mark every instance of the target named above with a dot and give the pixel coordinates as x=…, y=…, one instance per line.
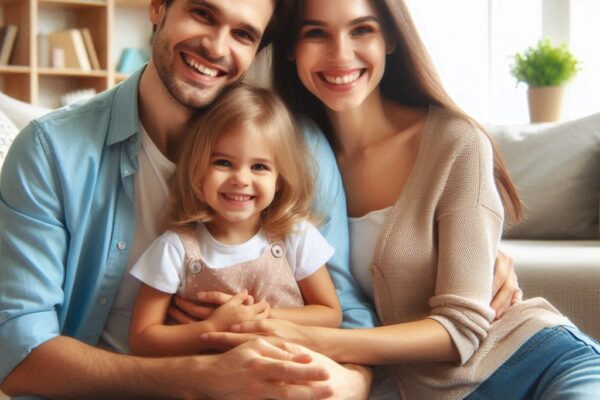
x=252, y=30
x=356, y=21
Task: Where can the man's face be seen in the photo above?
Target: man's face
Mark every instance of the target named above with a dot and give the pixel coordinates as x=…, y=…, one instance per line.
x=201, y=46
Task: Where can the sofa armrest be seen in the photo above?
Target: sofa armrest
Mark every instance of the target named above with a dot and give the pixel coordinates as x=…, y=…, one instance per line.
x=566, y=273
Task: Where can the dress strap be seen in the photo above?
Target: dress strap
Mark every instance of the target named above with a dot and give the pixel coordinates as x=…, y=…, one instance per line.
x=189, y=238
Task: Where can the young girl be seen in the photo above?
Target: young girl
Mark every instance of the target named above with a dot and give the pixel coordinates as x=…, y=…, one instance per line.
x=237, y=224
x=426, y=195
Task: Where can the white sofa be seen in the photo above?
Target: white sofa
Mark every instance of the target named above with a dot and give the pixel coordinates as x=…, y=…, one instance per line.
x=557, y=170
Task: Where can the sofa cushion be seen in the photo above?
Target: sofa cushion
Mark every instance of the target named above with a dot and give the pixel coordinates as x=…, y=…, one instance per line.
x=556, y=169
x=18, y=112
x=8, y=131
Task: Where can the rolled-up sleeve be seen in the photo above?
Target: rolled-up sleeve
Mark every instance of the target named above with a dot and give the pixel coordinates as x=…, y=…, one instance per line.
x=33, y=246
x=331, y=206
x=469, y=223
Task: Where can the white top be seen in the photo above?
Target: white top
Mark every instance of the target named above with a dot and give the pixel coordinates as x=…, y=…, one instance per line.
x=364, y=235
x=162, y=264
x=151, y=191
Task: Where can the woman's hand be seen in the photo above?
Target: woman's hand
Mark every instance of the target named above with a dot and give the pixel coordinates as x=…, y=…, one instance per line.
x=235, y=312
x=273, y=330
x=505, y=289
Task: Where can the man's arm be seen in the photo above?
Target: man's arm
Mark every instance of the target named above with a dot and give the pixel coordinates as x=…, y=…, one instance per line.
x=66, y=368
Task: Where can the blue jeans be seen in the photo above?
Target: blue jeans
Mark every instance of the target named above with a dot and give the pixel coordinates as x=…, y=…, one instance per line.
x=556, y=363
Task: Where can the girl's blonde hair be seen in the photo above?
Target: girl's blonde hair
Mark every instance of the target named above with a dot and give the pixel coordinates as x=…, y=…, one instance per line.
x=242, y=106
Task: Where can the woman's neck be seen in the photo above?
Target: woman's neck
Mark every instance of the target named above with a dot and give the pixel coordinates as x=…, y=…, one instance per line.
x=357, y=129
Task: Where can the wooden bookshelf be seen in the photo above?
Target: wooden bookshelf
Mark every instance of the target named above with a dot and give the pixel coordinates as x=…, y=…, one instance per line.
x=27, y=79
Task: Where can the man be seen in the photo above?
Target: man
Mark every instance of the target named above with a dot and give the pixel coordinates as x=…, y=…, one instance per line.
x=82, y=192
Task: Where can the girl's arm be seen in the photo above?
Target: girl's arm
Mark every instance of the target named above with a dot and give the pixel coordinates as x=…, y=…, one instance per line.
x=322, y=306
x=149, y=336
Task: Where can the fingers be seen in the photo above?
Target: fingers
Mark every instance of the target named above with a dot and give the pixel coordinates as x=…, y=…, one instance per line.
x=252, y=327
x=213, y=297
x=302, y=392
x=260, y=309
x=228, y=339
x=238, y=299
x=502, y=267
x=179, y=316
x=194, y=311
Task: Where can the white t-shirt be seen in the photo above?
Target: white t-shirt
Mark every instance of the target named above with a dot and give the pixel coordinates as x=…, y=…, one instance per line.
x=151, y=192
x=162, y=264
x=364, y=235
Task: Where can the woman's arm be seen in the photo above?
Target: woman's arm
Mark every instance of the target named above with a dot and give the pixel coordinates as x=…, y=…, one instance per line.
x=322, y=306
x=149, y=336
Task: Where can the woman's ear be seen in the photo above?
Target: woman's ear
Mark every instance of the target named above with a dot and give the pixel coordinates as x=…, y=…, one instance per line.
x=390, y=46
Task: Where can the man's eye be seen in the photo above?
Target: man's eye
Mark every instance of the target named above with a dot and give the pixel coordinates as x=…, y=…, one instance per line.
x=245, y=35
x=222, y=163
x=203, y=14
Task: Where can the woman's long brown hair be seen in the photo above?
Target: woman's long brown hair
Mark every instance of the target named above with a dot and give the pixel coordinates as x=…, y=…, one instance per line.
x=409, y=79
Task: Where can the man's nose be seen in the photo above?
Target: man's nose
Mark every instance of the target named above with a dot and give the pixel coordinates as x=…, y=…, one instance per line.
x=217, y=43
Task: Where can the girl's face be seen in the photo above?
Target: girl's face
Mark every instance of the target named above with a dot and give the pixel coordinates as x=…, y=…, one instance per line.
x=241, y=180
x=340, y=52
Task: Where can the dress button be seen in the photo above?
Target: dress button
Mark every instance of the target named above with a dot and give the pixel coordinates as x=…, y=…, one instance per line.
x=195, y=266
x=121, y=245
x=103, y=300
x=277, y=251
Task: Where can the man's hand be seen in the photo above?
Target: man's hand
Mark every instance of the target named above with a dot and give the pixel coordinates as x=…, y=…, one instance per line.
x=260, y=370
x=505, y=289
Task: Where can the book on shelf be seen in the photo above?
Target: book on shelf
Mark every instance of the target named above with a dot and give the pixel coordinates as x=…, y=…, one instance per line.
x=8, y=36
x=89, y=46
x=73, y=48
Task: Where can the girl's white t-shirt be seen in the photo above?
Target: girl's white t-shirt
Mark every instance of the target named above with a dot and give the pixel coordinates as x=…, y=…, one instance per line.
x=162, y=264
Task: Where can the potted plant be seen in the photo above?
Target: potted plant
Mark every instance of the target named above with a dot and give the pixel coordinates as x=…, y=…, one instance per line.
x=545, y=69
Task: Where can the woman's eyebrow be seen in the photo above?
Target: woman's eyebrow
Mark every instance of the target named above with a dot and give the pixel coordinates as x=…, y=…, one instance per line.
x=360, y=20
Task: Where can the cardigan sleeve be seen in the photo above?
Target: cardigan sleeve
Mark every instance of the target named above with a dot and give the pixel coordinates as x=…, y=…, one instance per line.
x=469, y=220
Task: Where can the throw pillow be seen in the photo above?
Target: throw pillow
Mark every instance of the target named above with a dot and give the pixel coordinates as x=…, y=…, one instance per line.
x=8, y=131
x=556, y=169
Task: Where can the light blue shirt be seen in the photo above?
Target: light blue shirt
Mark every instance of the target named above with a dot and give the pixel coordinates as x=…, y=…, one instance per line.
x=67, y=221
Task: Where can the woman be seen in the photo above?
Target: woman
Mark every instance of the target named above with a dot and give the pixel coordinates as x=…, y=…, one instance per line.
x=426, y=195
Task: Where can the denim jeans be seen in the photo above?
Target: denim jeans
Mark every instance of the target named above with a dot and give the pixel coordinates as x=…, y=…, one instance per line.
x=556, y=363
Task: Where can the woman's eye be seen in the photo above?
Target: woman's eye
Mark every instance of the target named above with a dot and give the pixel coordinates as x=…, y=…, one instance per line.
x=222, y=163
x=362, y=30
x=315, y=34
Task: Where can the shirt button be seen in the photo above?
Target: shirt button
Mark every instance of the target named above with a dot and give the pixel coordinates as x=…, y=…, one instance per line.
x=121, y=245
x=103, y=300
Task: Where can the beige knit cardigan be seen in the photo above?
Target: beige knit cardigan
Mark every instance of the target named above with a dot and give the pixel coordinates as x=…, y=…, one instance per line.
x=435, y=260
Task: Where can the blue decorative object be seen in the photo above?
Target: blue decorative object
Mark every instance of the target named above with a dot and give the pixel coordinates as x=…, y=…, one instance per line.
x=131, y=60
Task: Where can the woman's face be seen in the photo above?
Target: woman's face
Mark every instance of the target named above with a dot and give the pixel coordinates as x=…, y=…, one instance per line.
x=340, y=51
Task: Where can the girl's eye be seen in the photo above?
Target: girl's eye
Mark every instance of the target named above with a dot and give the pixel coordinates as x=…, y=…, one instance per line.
x=222, y=163
x=315, y=34
x=260, y=167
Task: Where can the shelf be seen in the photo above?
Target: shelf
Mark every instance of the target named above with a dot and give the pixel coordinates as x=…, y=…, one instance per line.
x=68, y=72
x=73, y=3
x=132, y=3
x=14, y=69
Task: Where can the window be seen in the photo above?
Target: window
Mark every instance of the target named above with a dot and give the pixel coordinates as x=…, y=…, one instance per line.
x=472, y=43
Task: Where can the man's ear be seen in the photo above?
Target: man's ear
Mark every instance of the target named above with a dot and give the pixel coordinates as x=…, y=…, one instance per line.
x=155, y=10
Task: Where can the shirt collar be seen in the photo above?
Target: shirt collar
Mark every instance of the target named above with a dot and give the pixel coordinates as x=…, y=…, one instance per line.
x=125, y=120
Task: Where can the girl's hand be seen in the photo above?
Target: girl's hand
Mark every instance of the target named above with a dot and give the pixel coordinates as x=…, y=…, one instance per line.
x=186, y=311
x=235, y=312
x=275, y=330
